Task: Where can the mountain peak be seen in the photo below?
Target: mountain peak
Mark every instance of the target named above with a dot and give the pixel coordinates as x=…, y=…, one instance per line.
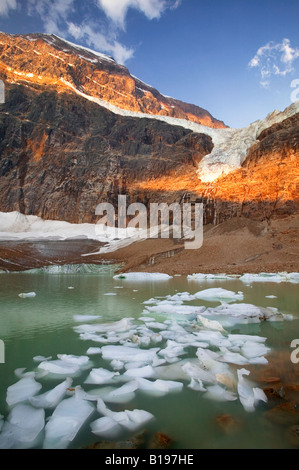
x=48, y=60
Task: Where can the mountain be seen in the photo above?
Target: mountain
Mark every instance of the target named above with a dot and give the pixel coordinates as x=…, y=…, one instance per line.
x=51, y=61
x=77, y=129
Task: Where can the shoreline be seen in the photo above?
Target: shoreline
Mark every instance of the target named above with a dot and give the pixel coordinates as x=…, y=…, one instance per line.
x=237, y=246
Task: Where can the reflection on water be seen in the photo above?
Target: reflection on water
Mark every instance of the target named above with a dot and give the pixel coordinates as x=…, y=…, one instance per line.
x=44, y=325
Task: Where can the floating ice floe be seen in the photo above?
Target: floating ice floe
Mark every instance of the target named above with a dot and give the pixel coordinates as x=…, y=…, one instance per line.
x=27, y=295
x=66, y=365
x=65, y=422
x=270, y=277
x=22, y=390
x=122, y=394
x=93, y=351
x=219, y=294
x=248, y=311
x=127, y=419
x=51, y=398
x=209, y=277
x=22, y=428
x=142, y=277
x=146, y=371
x=83, y=318
x=122, y=325
x=41, y=358
x=101, y=376
x=159, y=387
x=249, y=395
x=174, y=309
x=218, y=393
x=210, y=324
x=106, y=428
x=129, y=354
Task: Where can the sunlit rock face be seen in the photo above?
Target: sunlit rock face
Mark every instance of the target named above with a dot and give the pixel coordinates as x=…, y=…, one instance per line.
x=48, y=60
x=77, y=129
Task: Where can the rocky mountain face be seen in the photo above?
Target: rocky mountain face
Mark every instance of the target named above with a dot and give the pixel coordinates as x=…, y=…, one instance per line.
x=62, y=151
x=48, y=60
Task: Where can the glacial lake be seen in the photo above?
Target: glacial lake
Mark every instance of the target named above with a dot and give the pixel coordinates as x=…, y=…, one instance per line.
x=50, y=324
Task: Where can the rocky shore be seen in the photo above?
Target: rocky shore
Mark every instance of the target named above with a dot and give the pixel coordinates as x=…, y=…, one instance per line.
x=236, y=246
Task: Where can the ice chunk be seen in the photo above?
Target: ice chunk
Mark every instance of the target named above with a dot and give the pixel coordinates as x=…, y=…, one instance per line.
x=218, y=393
x=197, y=385
x=159, y=387
x=219, y=294
x=78, y=360
x=22, y=428
x=143, y=277
x=131, y=420
x=251, y=349
x=247, y=311
x=117, y=365
x=127, y=353
x=175, y=309
x=27, y=295
x=249, y=396
x=41, y=358
x=146, y=371
x=122, y=325
x=65, y=422
x=53, y=397
x=208, y=277
x=122, y=394
x=83, y=318
x=100, y=376
x=110, y=293
x=106, y=427
x=25, y=388
x=137, y=419
x=196, y=372
x=93, y=351
x=271, y=297
x=239, y=340
x=60, y=367
x=232, y=357
x=210, y=324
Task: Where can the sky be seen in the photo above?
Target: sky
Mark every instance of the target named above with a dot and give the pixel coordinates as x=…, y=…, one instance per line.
x=239, y=59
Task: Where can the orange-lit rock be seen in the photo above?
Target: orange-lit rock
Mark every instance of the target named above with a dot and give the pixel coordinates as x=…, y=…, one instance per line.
x=46, y=59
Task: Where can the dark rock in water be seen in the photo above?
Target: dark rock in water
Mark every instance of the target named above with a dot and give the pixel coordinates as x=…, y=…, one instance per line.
x=160, y=441
x=227, y=423
x=286, y=413
x=292, y=435
x=274, y=393
x=136, y=442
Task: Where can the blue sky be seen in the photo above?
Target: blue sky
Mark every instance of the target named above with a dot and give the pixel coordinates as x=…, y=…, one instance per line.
x=235, y=58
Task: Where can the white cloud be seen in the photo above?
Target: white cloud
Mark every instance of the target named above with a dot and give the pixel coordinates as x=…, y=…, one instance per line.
x=6, y=5
x=274, y=59
x=101, y=32
x=116, y=10
x=101, y=42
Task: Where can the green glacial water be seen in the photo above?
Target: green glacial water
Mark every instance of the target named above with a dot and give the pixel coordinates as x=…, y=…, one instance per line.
x=45, y=326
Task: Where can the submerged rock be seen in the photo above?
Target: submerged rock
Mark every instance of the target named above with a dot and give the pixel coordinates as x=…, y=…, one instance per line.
x=286, y=413
x=227, y=423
